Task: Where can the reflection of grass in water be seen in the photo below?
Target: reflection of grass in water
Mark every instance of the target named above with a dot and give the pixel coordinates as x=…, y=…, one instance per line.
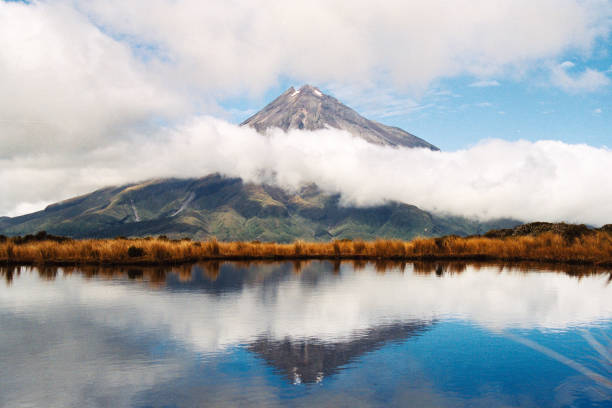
x=156, y=273
x=604, y=359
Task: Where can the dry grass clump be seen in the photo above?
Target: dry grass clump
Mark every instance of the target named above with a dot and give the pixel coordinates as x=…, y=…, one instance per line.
x=593, y=249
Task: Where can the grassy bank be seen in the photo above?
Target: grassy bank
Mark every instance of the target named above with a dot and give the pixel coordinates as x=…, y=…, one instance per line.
x=591, y=249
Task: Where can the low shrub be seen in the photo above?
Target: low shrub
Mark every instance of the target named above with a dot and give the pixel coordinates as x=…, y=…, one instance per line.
x=135, y=252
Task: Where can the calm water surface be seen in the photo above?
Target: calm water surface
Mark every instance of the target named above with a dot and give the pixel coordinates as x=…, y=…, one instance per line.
x=310, y=334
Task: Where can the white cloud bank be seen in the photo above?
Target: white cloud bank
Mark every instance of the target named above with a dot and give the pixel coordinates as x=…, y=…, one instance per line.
x=249, y=44
x=545, y=180
x=67, y=86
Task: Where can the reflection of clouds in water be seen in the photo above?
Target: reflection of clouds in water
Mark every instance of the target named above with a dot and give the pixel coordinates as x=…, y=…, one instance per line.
x=333, y=308
x=420, y=393
x=63, y=360
x=86, y=341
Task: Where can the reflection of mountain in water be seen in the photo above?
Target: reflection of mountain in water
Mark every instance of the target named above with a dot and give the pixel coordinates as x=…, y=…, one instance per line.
x=310, y=360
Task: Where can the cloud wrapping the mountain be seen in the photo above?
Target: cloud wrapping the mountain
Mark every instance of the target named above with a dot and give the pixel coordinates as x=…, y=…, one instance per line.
x=545, y=180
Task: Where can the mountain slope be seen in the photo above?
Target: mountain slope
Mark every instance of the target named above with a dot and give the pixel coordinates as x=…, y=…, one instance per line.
x=310, y=109
x=229, y=209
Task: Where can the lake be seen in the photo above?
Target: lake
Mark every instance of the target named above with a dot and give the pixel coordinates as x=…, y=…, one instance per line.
x=316, y=333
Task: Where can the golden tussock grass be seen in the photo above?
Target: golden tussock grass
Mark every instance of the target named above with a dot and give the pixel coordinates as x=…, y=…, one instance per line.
x=593, y=249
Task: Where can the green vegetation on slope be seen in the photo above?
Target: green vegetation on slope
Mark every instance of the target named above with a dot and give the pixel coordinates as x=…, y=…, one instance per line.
x=229, y=209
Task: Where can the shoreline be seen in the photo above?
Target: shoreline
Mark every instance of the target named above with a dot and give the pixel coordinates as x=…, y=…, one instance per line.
x=348, y=258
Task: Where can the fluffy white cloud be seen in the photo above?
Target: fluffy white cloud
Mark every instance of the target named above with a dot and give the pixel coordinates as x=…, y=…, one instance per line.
x=67, y=86
x=588, y=80
x=248, y=44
